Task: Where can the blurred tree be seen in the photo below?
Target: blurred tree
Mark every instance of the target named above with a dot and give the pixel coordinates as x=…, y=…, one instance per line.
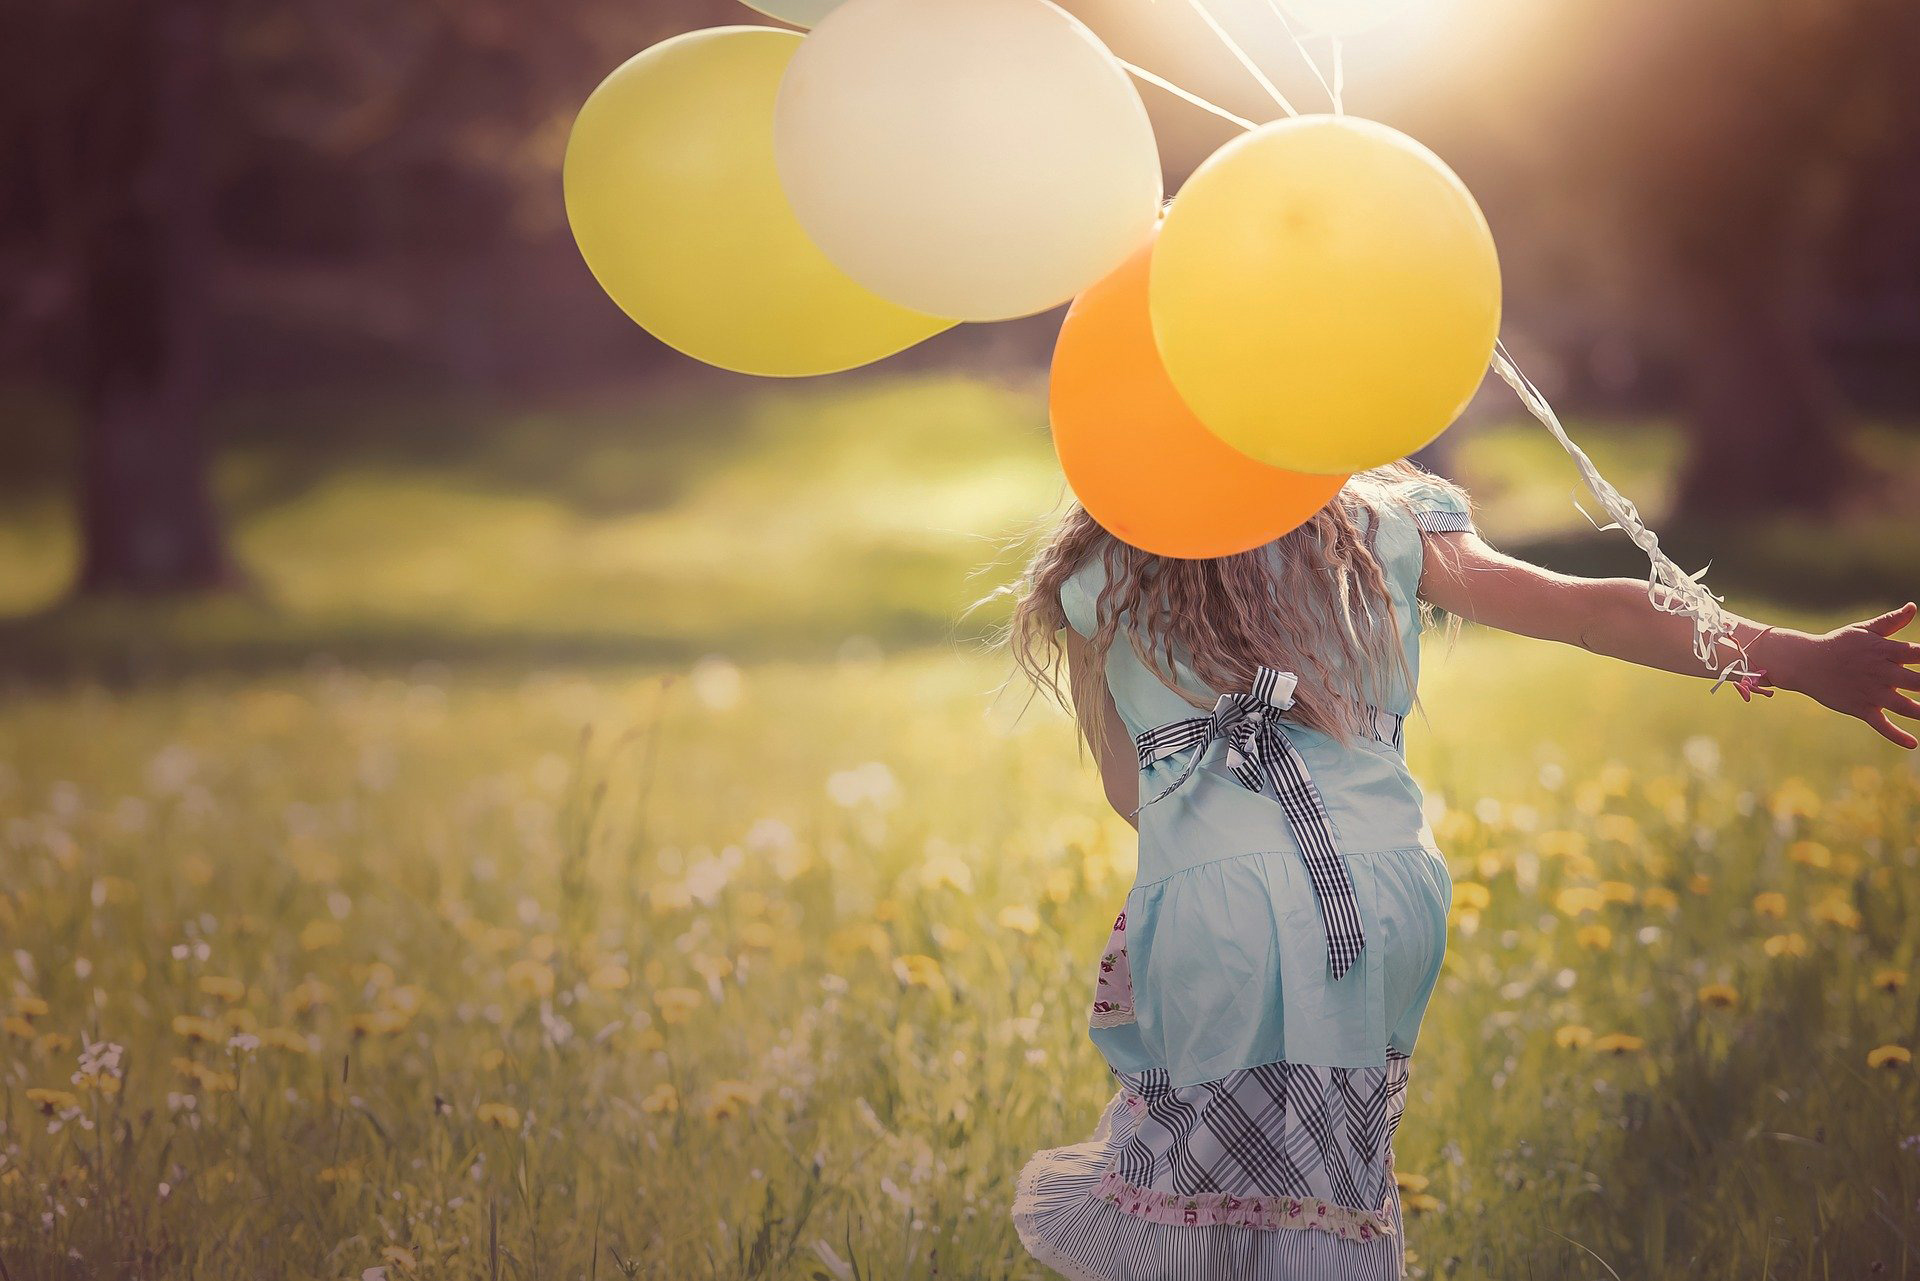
x=1741, y=140
x=146, y=125
x=125, y=161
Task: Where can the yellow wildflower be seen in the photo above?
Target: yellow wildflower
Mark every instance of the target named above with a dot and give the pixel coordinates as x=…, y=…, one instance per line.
x=609, y=978
x=285, y=1038
x=1658, y=898
x=1597, y=937
x=30, y=1007
x=1617, y=892
x=1618, y=1043
x=1810, y=853
x=225, y=989
x=947, y=871
x=1572, y=1036
x=677, y=1004
x=1836, y=911
x=348, y=1173
x=1720, y=995
x=240, y=1019
x=1562, y=844
x=758, y=934
x=400, y=1257
x=501, y=1116
x=1889, y=1056
x=15, y=1025
x=917, y=970
x=1785, y=945
x=322, y=933
x=661, y=1098
x=531, y=978
x=1409, y=1181
x=1471, y=896
x=729, y=1099
x=194, y=1028
x=1617, y=827
x=1770, y=903
x=1420, y=1202
x=711, y=968
x=378, y=1023
x=52, y=1101
x=1019, y=918
x=53, y=1043
x=1576, y=899
x=491, y=1059
x=1699, y=883
x=1889, y=980
x=307, y=996
x=858, y=936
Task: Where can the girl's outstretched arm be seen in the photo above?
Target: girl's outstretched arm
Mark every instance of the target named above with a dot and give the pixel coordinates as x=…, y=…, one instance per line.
x=1113, y=746
x=1858, y=670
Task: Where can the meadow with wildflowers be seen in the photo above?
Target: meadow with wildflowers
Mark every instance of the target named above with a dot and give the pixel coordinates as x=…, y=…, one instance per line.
x=657, y=929
x=781, y=970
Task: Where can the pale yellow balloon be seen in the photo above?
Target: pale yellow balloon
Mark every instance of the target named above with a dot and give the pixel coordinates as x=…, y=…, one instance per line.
x=982, y=159
x=1325, y=294
x=674, y=201
x=801, y=13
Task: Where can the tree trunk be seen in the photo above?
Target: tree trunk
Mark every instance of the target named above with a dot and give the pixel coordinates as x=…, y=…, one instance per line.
x=144, y=251
x=1760, y=405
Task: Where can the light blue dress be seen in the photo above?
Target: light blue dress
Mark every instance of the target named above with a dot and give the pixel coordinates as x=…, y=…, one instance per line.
x=1257, y=1090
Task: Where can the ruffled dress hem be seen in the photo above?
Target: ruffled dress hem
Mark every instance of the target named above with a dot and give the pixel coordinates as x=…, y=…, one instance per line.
x=1069, y=1216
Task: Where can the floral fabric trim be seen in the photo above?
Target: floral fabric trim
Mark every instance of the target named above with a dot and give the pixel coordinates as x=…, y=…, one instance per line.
x=1208, y=1209
x=1113, y=990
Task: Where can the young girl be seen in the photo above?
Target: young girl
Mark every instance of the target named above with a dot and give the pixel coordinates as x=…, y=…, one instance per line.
x=1263, y=988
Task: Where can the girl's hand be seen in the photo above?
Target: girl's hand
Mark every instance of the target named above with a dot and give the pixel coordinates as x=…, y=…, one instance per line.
x=1857, y=670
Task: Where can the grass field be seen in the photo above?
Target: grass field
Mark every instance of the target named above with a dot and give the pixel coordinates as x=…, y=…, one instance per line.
x=475, y=976
x=548, y=881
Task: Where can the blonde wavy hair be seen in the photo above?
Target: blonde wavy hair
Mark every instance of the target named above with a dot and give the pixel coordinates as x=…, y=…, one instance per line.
x=1314, y=602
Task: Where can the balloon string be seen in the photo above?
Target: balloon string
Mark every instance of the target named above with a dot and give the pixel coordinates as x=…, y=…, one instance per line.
x=1186, y=95
x=1670, y=589
x=1253, y=68
x=1339, y=77
x=1286, y=25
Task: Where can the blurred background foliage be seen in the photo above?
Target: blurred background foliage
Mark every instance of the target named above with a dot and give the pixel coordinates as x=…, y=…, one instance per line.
x=294, y=308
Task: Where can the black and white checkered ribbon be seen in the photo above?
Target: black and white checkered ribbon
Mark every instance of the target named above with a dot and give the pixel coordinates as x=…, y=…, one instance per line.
x=1258, y=749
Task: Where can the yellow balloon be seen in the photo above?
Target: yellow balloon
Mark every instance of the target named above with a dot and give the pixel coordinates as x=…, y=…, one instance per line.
x=1325, y=294
x=675, y=203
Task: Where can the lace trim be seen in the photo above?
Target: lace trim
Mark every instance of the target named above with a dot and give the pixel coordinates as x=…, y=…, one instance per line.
x=1440, y=521
x=1026, y=1203
x=1208, y=1209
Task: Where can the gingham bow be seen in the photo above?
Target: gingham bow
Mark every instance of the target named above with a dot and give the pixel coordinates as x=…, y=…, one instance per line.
x=1259, y=750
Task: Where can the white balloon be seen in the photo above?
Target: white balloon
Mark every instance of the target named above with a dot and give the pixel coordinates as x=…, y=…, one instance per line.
x=801, y=13
x=973, y=159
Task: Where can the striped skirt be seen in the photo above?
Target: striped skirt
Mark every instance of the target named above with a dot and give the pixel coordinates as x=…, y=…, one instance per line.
x=1072, y=1215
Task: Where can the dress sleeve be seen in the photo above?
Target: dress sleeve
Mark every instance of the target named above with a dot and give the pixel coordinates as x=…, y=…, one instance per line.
x=1437, y=509
x=1077, y=604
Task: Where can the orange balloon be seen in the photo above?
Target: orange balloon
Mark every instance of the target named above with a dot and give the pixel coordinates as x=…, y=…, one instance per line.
x=1139, y=461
